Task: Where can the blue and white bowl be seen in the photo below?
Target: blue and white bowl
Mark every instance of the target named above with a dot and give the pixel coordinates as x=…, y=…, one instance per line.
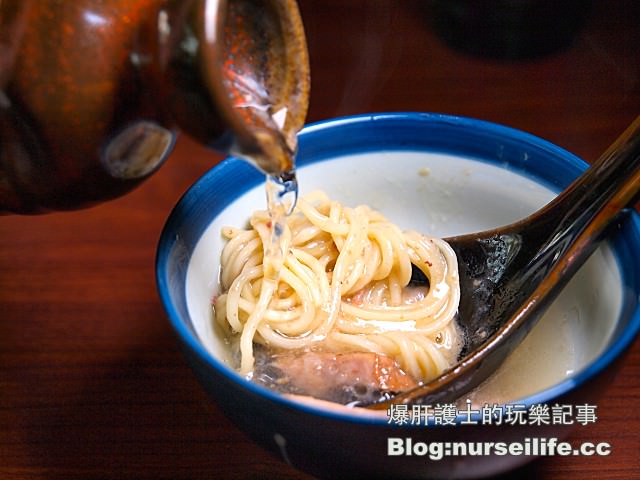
x=441, y=175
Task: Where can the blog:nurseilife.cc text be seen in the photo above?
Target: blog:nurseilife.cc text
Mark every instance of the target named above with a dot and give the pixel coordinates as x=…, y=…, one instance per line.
x=528, y=447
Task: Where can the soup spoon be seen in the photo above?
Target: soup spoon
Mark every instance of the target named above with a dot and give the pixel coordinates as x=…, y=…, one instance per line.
x=510, y=275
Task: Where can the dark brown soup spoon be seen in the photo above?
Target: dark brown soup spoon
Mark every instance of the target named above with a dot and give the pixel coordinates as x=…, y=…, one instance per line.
x=510, y=275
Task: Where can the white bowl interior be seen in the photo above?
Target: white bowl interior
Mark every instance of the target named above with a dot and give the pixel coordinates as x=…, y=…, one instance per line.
x=442, y=195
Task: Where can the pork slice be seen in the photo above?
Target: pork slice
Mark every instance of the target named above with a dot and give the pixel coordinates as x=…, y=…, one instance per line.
x=360, y=377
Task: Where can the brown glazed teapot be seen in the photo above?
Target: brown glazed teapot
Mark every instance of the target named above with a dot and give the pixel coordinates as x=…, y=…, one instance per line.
x=92, y=92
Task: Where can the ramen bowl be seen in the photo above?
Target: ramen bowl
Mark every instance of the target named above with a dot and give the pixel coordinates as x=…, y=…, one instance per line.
x=440, y=175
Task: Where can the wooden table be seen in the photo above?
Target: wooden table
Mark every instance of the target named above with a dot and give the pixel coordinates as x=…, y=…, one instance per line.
x=92, y=384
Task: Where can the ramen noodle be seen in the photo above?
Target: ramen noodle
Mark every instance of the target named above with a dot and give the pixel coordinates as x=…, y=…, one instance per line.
x=343, y=284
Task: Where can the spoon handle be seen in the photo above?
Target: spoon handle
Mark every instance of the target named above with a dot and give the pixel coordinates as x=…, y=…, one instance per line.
x=609, y=185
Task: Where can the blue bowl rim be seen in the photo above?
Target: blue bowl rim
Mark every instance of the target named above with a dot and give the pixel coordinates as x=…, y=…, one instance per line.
x=189, y=338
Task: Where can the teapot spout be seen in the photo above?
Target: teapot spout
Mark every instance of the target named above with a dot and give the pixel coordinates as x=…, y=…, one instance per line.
x=255, y=78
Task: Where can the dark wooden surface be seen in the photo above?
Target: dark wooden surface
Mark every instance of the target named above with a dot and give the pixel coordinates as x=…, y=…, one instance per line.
x=92, y=384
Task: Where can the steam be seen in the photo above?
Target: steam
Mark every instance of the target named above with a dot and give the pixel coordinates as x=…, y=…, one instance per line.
x=379, y=46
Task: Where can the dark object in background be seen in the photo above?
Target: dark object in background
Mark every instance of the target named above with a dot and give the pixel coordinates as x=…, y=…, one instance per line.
x=509, y=29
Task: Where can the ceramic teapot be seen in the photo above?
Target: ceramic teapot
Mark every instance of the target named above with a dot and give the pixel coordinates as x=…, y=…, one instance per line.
x=93, y=92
